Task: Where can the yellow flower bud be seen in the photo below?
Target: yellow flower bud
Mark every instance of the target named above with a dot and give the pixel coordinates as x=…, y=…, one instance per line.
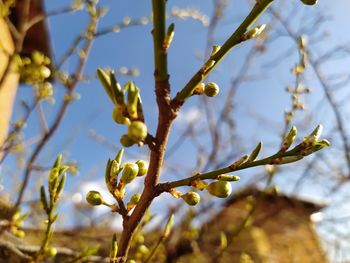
x=45, y=72
x=191, y=198
x=211, y=89
x=221, y=189
x=20, y=233
x=137, y=131
x=143, y=167
x=130, y=171
x=94, y=198
x=143, y=250
x=51, y=252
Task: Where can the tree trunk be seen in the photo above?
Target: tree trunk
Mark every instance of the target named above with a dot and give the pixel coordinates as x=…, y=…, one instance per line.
x=8, y=80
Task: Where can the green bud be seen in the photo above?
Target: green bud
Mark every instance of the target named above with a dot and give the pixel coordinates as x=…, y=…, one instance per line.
x=53, y=184
x=137, y=131
x=255, y=152
x=126, y=141
x=60, y=186
x=143, y=167
x=113, y=173
x=106, y=82
x=168, y=37
x=134, y=199
x=288, y=140
x=254, y=32
x=143, y=250
x=221, y=189
x=116, y=89
x=133, y=94
x=315, y=147
x=114, y=247
x=108, y=175
x=214, y=50
x=43, y=198
x=211, y=89
x=118, y=116
x=228, y=178
x=57, y=161
x=119, y=156
x=140, y=109
x=94, y=198
x=207, y=66
x=309, y=2
x=315, y=135
x=130, y=171
x=191, y=198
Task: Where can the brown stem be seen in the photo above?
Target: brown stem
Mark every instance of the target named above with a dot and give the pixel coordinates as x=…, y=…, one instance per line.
x=167, y=114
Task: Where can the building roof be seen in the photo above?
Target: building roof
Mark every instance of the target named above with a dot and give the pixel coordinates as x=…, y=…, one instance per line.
x=272, y=195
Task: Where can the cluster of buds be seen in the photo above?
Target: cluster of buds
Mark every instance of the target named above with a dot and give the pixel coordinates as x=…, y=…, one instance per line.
x=220, y=188
x=35, y=71
x=128, y=107
x=16, y=223
x=309, y=145
x=298, y=90
x=116, y=186
x=211, y=89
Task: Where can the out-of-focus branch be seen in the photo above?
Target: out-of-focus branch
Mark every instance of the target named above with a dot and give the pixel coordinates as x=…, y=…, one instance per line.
x=315, y=64
x=70, y=89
